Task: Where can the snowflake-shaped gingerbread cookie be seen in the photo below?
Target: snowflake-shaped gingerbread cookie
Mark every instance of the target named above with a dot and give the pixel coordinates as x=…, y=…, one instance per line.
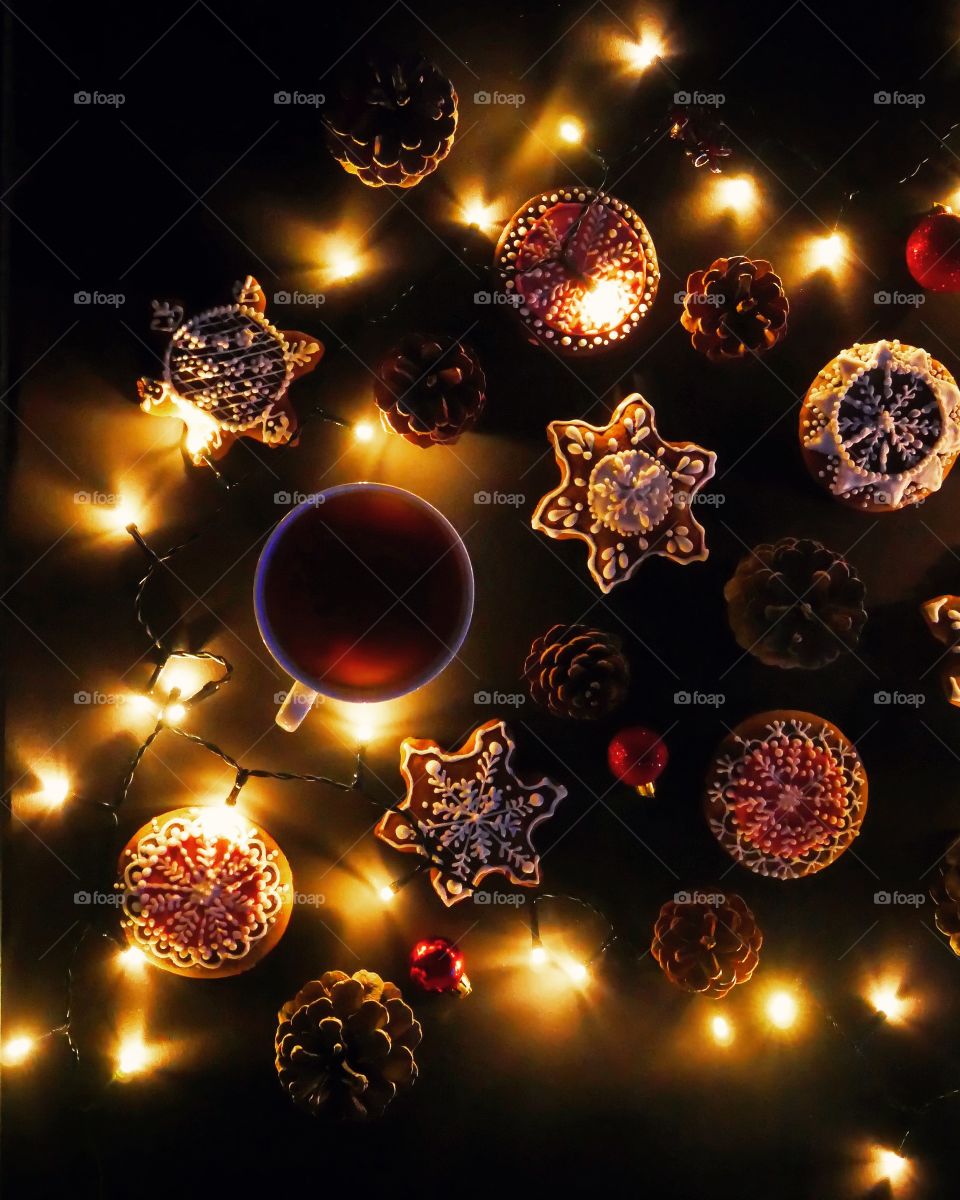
x=626, y=492
x=880, y=426
x=470, y=812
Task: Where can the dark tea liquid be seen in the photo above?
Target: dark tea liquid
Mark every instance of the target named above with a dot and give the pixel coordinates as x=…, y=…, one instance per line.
x=366, y=593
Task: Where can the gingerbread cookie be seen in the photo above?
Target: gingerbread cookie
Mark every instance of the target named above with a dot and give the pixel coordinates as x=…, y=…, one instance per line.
x=942, y=615
x=579, y=268
x=226, y=373
x=205, y=893
x=626, y=492
x=880, y=426
x=786, y=794
x=470, y=812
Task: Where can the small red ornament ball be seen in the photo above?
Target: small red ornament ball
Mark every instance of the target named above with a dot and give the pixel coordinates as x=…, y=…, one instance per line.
x=638, y=756
x=933, y=251
x=436, y=965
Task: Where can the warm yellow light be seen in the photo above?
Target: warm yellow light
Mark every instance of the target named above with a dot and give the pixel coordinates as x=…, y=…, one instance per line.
x=133, y=1056
x=645, y=52
x=782, y=1010
x=826, y=252
x=173, y=714
x=885, y=999
x=477, y=213
x=738, y=194
x=890, y=1165
x=571, y=131
x=180, y=675
x=538, y=956
x=220, y=821
x=363, y=728
x=132, y=959
x=203, y=431
x=363, y=431
x=18, y=1050
x=387, y=893
x=577, y=971
x=722, y=1030
x=54, y=786
x=122, y=514
x=605, y=304
x=341, y=262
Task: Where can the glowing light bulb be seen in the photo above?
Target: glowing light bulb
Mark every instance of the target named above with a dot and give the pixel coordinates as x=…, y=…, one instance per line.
x=826, y=252
x=891, y=1165
x=885, y=999
x=133, y=1056
x=605, y=304
x=645, y=52
x=782, y=1010
x=342, y=263
x=220, y=821
x=18, y=1050
x=477, y=213
x=571, y=131
x=387, y=893
x=123, y=514
x=577, y=971
x=132, y=959
x=738, y=194
x=538, y=956
x=722, y=1030
x=363, y=431
x=363, y=729
x=203, y=431
x=54, y=787
x=174, y=713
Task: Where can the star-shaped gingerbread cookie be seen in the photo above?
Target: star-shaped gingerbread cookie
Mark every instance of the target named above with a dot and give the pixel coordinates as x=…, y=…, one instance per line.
x=470, y=812
x=625, y=492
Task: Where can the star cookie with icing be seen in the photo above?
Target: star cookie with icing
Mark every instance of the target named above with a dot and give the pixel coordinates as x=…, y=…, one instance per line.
x=626, y=492
x=470, y=812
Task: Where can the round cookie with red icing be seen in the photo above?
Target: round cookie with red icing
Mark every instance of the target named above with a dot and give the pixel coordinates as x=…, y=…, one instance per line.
x=786, y=794
x=579, y=269
x=205, y=893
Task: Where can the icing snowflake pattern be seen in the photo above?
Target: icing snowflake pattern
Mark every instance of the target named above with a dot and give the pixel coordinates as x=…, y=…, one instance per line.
x=626, y=492
x=470, y=812
x=881, y=425
x=788, y=800
x=199, y=896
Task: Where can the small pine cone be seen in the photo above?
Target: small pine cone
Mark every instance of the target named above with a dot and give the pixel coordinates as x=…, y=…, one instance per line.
x=393, y=121
x=707, y=944
x=945, y=894
x=795, y=604
x=345, y=1045
x=735, y=308
x=575, y=671
x=429, y=390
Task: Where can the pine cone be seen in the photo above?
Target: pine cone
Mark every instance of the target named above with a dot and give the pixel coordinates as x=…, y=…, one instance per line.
x=393, y=121
x=795, y=604
x=345, y=1045
x=575, y=671
x=734, y=308
x=945, y=894
x=707, y=944
x=429, y=390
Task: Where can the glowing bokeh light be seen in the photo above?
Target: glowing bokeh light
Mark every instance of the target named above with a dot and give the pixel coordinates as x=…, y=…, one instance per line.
x=738, y=195
x=363, y=431
x=133, y=1056
x=782, y=1010
x=17, y=1050
x=721, y=1030
x=571, y=131
x=54, y=788
x=826, y=253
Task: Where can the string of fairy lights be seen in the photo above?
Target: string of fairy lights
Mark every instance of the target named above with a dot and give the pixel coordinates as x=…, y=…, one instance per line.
x=168, y=698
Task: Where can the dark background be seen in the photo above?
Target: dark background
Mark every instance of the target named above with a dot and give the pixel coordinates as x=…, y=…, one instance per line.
x=199, y=178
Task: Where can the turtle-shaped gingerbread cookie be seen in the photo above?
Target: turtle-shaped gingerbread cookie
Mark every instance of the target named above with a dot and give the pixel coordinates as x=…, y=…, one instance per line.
x=226, y=373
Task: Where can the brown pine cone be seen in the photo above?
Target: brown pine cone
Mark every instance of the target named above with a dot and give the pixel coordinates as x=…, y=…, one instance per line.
x=707, y=944
x=429, y=390
x=945, y=894
x=345, y=1045
x=579, y=672
x=393, y=121
x=795, y=604
x=735, y=307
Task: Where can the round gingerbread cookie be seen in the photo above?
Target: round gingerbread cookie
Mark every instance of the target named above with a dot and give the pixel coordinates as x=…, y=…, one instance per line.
x=880, y=426
x=579, y=269
x=205, y=892
x=786, y=794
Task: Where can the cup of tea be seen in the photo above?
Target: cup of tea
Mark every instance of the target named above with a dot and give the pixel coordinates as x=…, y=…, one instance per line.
x=364, y=592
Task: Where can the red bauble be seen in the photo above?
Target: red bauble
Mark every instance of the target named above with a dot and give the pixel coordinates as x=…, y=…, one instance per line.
x=638, y=756
x=436, y=965
x=933, y=250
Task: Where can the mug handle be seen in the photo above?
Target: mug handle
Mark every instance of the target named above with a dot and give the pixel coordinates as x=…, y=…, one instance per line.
x=298, y=702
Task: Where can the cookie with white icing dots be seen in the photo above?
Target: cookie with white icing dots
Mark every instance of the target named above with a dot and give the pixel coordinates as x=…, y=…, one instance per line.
x=880, y=426
x=626, y=492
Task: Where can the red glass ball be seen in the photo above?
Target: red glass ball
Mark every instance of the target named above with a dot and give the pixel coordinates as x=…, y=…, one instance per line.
x=637, y=756
x=436, y=965
x=933, y=251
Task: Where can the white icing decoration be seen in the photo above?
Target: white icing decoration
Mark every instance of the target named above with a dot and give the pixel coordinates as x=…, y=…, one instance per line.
x=630, y=492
